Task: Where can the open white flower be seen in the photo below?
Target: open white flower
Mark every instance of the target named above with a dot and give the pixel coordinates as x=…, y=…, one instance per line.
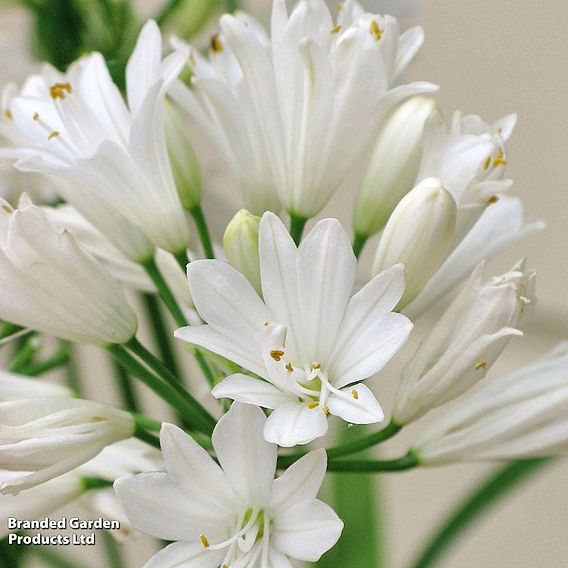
x=50, y=284
x=295, y=113
x=461, y=347
x=43, y=438
x=310, y=340
x=235, y=514
x=110, y=160
x=521, y=415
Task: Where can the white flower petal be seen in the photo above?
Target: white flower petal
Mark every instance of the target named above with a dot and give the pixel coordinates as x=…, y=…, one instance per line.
x=248, y=390
x=295, y=423
x=356, y=405
x=306, y=530
x=186, y=555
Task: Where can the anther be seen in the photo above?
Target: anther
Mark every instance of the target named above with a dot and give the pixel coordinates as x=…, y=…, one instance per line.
x=481, y=365
x=376, y=30
x=204, y=541
x=499, y=159
x=316, y=366
x=7, y=208
x=53, y=134
x=326, y=410
x=36, y=116
x=60, y=90
x=192, y=60
x=340, y=7
x=487, y=163
x=289, y=367
x=355, y=394
x=313, y=405
x=336, y=30
x=493, y=199
x=277, y=354
x=8, y=114
x=216, y=44
x=266, y=323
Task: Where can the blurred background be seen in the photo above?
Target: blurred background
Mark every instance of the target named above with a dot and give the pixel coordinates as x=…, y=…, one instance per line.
x=490, y=58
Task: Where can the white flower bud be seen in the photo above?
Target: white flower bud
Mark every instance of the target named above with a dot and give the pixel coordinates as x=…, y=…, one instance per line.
x=241, y=246
x=418, y=234
x=185, y=166
x=43, y=438
x=521, y=415
x=51, y=284
x=394, y=165
x=460, y=349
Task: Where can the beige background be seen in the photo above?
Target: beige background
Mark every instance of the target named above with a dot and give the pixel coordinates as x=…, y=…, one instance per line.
x=490, y=58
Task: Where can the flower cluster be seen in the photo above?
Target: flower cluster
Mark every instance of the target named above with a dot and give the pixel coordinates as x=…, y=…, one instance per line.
x=281, y=327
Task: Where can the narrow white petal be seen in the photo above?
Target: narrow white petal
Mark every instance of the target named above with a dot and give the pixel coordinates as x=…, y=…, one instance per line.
x=248, y=390
x=356, y=405
x=186, y=555
x=295, y=423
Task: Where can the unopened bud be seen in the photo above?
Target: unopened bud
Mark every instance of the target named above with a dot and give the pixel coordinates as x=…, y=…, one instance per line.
x=418, y=234
x=241, y=246
x=394, y=165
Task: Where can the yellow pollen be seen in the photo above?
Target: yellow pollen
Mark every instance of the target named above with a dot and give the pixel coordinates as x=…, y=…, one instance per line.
x=499, y=130
x=60, y=90
x=481, y=365
x=266, y=323
x=225, y=566
x=326, y=409
x=53, y=134
x=313, y=405
x=499, y=159
x=493, y=199
x=340, y=7
x=355, y=394
x=487, y=163
x=36, y=116
x=204, y=541
x=336, y=30
x=277, y=354
x=216, y=44
x=289, y=367
x=316, y=366
x=8, y=114
x=376, y=30
x=7, y=208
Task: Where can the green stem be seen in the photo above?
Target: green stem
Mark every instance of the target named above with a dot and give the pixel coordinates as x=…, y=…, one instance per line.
x=204, y=366
x=297, y=225
x=9, y=329
x=165, y=391
x=358, y=243
x=52, y=558
x=146, y=437
x=92, y=483
x=165, y=292
x=25, y=355
x=166, y=10
x=126, y=387
x=349, y=447
x=71, y=371
x=197, y=214
x=113, y=551
x=409, y=461
x=57, y=360
x=11, y=554
x=491, y=490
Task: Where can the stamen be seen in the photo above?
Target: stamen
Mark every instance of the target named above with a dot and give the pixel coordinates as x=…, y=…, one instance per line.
x=7, y=208
x=36, y=116
x=326, y=410
x=266, y=323
x=493, y=199
x=355, y=394
x=216, y=44
x=192, y=60
x=289, y=367
x=376, y=30
x=277, y=354
x=8, y=114
x=499, y=130
x=316, y=366
x=481, y=365
x=60, y=90
x=340, y=7
x=53, y=134
x=336, y=29
x=204, y=540
x=487, y=163
x=235, y=537
x=313, y=405
x=500, y=158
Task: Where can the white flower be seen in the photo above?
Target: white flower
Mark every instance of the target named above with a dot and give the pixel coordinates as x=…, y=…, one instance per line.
x=50, y=284
x=418, y=234
x=110, y=160
x=461, y=347
x=240, y=244
x=310, y=339
x=235, y=514
x=14, y=387
x=294, y=114
x=393, y=168
x=43, y=438
x=521, y=415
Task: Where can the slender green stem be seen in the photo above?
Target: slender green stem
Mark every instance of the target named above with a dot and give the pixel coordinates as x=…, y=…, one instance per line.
x=349, y=447
x=491, y=490
x=204, y=366
x=232, y=5
x=127, y=389
x=165, y=292
x=166, y=10
x=408, y=461
x=197, y=214
x=113, y=551
x=165, y=391
x=358, y=243
x=10, y=554
x=47, y=555
x=91, y=483
x=58, y=359
x=147, y=423
x=9, y=329
x=26, y=354
x=146, y=437
x=297, y=226
x=71, y=371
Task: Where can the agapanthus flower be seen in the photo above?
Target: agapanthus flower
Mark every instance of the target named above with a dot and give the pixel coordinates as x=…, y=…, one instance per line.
x=51, y=284
x=235, y=513
x=109, y=159
x=462, y=346
x=309, y=339
x=294, y=113
x=521, y=415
